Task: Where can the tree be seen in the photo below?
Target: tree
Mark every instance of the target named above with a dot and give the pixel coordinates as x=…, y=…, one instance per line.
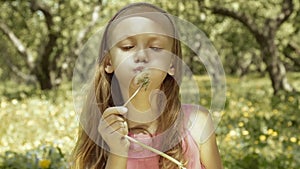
x=50, y=38
x=265, y=36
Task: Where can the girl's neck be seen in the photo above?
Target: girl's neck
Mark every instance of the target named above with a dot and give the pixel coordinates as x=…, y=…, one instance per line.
x=141, y=101
x=142, y=112
x=146, y=128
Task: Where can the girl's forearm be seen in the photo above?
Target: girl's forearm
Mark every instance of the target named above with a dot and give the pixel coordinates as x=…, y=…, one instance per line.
x=116, y=162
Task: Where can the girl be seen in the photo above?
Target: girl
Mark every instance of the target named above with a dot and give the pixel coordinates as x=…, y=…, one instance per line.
x=141, y=38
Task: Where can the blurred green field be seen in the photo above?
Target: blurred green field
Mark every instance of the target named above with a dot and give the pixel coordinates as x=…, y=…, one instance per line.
x=38, y=129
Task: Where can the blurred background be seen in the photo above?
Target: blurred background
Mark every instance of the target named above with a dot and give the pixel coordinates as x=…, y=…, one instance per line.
x=258, y=42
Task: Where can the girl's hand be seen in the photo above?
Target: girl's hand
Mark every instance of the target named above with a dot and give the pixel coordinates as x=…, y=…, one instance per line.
x=112, y=128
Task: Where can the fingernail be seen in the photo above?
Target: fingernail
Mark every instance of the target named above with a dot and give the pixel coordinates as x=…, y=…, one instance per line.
x=123, y=109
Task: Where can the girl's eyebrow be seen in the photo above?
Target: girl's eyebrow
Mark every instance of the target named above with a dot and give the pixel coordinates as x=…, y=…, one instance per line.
x=160, y=40
x=152, y=38
x=155, y=36
x=126, y=39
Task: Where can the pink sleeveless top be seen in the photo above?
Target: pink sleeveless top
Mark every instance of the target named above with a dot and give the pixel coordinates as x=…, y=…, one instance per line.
x=144, y=159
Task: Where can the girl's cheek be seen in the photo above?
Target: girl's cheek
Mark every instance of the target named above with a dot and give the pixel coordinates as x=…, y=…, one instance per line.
x=119, y=61
x=162, y=63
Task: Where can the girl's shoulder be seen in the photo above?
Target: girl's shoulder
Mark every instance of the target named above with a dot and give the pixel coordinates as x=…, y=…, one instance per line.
x=199, y=122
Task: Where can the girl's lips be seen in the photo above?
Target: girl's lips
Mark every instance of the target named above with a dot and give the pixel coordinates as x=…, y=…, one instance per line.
x=139, y=69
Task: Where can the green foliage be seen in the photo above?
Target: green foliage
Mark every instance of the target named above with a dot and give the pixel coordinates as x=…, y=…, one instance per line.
x=236, y=45
x=238, y=49
x=257, y=130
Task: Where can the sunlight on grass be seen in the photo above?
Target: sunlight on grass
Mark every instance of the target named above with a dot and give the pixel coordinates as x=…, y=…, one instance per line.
x=256, y=130
x=43, y=119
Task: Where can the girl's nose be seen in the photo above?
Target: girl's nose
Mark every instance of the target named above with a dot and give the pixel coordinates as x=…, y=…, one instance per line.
x=141, y=56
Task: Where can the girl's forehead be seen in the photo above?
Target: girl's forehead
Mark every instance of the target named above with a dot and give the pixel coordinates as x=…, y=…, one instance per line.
x=140, y=24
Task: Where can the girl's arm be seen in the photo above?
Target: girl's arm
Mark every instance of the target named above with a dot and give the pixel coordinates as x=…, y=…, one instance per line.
x=203, y=132
x=209, y=154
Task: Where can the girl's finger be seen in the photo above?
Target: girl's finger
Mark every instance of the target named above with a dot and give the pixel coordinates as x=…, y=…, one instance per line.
x=123, y=130
x=112, y=127
x=117, y=127
x=114, y=110
x=113, y=119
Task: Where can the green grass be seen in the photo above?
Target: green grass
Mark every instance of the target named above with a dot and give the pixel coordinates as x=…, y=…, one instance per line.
x=32, y=120
x=256, y=129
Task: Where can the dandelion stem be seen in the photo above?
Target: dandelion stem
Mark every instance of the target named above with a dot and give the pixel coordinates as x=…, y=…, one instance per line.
x=143, y=80
x=134, y=94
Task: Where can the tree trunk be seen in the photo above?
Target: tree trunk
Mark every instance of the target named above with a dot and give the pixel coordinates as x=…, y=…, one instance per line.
x=275, y=67
x=44, y=80
x=265, y=37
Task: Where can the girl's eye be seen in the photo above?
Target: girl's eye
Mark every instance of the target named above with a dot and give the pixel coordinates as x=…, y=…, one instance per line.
x=157, y=49
x=126, y=48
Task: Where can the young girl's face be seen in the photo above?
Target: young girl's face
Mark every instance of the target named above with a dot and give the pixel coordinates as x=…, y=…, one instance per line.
x=140, y=43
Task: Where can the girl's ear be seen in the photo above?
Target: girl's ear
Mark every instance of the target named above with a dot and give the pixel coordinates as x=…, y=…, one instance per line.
x=108, y=67
x=171, y=70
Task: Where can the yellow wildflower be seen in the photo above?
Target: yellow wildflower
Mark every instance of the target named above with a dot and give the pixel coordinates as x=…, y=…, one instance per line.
x=270, y=131
x=232, y=133
x=246, y=114
x=249, y=103
x=274, y=134
x=44, y=163
x=275, y=111
x=245, y=109
x=14, y=101
x=3, y=104
x=245, y=132
x=251, y=109
x=291, y=99
x=227, y=138
x=293, y=139
x=262, y=138
x=241, y=124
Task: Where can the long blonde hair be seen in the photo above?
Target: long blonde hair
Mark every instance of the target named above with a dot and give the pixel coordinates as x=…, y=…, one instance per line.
x=90, y=150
